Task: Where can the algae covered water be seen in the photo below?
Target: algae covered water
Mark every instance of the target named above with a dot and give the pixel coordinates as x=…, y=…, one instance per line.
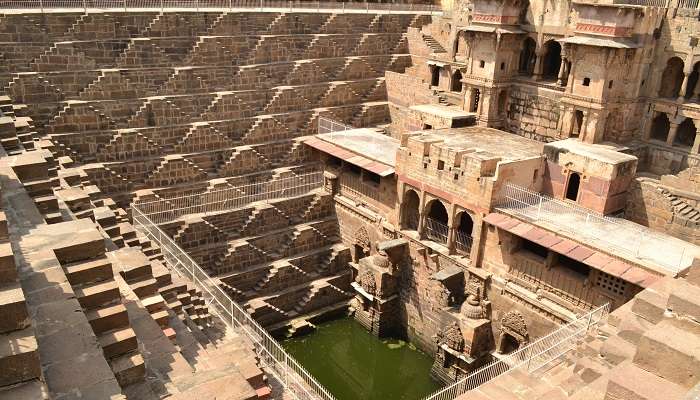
x=354, y=365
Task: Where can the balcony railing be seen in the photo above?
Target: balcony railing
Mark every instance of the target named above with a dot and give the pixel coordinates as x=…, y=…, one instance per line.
x=435, y=230
x=353, y=187
x=616, y=234
x=217, y=5
x=463, y=242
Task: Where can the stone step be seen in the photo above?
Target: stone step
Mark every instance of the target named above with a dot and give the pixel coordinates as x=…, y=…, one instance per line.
x=128, y=368
x=97, y=294
x=108, y=318
x=162, y=318
x=154, y=303
x=118, y=342
x=8, y=269
x=88, y=272
x=13, y=308
x=19, y=357
x=628, y=381
x=144, y=288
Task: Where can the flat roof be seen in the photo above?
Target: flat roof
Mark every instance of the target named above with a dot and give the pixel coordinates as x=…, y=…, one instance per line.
x=507, y=146
x=607, y=153
x=365, y=142
x=442, y=111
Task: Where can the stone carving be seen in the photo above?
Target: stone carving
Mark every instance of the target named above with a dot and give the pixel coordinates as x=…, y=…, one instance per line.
x=513, y=323
x=368, y=283
x=362, y=239
x=452, y=337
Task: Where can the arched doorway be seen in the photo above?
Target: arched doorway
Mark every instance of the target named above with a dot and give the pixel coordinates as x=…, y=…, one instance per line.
x=660, y=126
x=573, y=186
x=552, y=60
x=685, y=136
x=672, y=78
x=513, y=333
x=436, y=222
x=410, y=214
x=692, y=87
x=457, y=81
x=526, y=65
x=463, y=234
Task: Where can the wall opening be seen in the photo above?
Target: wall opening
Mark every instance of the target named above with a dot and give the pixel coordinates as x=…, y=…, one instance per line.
x=552, y=60
x=572, y=187
x=577, y=126
x=457, y=81
x=526, y=65
x=474, y=107
x=685, y=136
x=672, y=78
x=502, y=98
x=435, y=75
x=660, y=126
x=438, y=212
x=410, y=210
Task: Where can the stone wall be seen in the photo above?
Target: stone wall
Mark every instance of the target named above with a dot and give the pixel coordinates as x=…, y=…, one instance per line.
x=533, y=113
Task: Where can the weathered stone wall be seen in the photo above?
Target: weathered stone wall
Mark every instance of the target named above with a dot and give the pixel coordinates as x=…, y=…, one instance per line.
x=533, y=113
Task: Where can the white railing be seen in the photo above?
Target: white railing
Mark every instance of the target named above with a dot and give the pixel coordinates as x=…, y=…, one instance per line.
x=530, y=358
x=273, y=358
x=648, y=3
x=354, y=187
x=622, y=236
x=692, y=4
x=435, y=230
x=327, y=125
x=166, y=209
x=217, y=5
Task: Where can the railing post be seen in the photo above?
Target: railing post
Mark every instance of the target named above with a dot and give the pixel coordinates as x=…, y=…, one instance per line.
x=85, y=5
x=161, y=5
x=539, y=208
x=196, y=4
x=124, y=5
x=41, y=4
x=261, y=5
x=367, y=5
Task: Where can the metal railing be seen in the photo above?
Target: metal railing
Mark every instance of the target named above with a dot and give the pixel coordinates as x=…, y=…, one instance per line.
x=166, y=209
x=435, y=230
x=216, y=5
x=648, y=3
x=622, y=236
x=327, y=125
x=273, y=358
x=463, y=242
x=531, y=357
x=691, y=4
x=355, y=187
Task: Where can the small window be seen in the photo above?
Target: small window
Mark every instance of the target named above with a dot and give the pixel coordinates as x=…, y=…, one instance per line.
x=586, y=81
x=534, y=248
x=503, y=66
x=427, y=126
x=642, y=83
x=482, y=63
x=611, y=284
x=441, y=165
x=610, y=84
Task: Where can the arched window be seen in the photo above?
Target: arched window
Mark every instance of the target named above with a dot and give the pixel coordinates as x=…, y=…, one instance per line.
x=526, y=65
x=573, y=185
x=463, y=235
x=672, y=78
x=552, y=60
x=685, y=136
x=660, y=126
x=436, y=222
x=457, y=81
x=410, y=210
x=693, y=83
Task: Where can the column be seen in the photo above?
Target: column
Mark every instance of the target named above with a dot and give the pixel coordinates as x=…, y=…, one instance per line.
x=421, y=224
x=538, y=65
x=450, y=239
x=562, y=72
x=684, y=87
x=672, y=134
x=696, y=91
x=696, y=144
x=468, y=98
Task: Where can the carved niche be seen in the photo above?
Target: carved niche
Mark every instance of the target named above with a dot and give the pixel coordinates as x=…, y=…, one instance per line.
x=362, y=240
x=452, y=337
x=368, y=283
x=513, y=324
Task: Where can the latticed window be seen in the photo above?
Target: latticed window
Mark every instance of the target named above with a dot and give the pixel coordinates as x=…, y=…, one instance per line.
x=611, y=284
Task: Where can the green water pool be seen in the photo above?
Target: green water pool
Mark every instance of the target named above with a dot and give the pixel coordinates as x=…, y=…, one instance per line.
x=354, y=365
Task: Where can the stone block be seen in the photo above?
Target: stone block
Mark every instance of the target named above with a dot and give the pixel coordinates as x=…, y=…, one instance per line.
x=107, y=318
x=71, y=241
x=95, y=295
x=629, y=382
x=671, y=353
x=13, y=308
x=116, y=343
x=684, y=300
x=128, y=369
x=19, y=357
x=8, y=270
x=87, y=272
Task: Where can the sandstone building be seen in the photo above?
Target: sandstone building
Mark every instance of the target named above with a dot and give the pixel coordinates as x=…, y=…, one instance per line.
x=472, y=180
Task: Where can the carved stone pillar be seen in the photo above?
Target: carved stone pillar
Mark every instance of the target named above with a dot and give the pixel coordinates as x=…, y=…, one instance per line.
x=451, y=239
x=468, y=98
x=562, y=68
x=421, y=224
x=673, y=130
x=684, y=87
x=538, y=65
